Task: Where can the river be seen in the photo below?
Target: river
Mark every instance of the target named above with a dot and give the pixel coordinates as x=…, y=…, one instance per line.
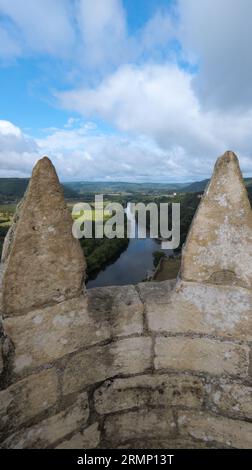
x=133, y=264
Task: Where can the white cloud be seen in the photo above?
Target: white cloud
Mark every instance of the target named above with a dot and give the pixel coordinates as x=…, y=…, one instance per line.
x=82, y=152
x=8, y=129
x=159, y=102
x=217, y=35
x=18, y=153
x=41, y=26
x=103, y=31
x=79, y=152
x=89, y=35
x=105, y=40
x=158, y=31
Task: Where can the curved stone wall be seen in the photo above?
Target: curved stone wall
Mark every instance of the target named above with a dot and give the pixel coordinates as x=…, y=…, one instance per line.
x=156, y=365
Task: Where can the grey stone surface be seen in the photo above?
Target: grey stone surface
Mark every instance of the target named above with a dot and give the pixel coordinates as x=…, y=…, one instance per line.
x=87, y=439
x=27, y=398
x=143, y=390
x=139, y=424
x=230, y=432
x=168, y=443
x=127, y=356
x=117, y=308
x=156, y=292
x=50, y=430
x=204, y=308
x=218, y=248
x=1, y=357
x=44, y=263
x=231, y=398
x=202, y=355
x=46, y=334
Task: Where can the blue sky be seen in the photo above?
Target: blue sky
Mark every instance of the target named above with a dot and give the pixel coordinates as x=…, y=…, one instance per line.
x=132, y=90
x=28, y=82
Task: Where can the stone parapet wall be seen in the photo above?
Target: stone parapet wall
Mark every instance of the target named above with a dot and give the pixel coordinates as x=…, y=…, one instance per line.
x=156, y=365
x=132, y=382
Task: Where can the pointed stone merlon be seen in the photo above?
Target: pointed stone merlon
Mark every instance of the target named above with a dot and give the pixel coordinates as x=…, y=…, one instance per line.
x=42, y=262
x=218, y=248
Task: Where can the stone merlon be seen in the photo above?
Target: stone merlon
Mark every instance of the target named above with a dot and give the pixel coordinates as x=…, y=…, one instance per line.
x=218, y=248
x=43, y=263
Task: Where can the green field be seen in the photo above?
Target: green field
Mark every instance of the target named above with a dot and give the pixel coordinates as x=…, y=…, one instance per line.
x=97, y=213
x=6, y=216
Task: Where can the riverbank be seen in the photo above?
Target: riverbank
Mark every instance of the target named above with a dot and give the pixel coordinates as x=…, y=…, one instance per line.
x=103, y=253
x=167, y=269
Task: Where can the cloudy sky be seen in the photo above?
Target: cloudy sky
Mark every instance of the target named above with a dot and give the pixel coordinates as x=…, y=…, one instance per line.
x=129, y=90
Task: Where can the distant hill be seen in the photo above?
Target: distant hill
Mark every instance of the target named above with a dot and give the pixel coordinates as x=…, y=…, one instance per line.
x=83, y=187
x=199, y=186
x=13, y=189
x=69, y=193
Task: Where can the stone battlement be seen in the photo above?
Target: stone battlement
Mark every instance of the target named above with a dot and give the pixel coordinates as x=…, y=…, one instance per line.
x=155, y=365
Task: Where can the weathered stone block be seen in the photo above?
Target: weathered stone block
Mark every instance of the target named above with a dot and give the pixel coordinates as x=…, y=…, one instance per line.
x=122, y=394
x=168, y=443
x=117, y=309
x=44, y=263
x=139, y=424
x=156, y=292
x=230, y=432
x=218, y=248
x=182, y=391
x=27, y=398
x=50, y=430
x=234, y=399
x=87, y=439
x=202, y=355
x=204, y=308
x=1, y=329
x=1, y=358
x=128, y=356
x=47, y=334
